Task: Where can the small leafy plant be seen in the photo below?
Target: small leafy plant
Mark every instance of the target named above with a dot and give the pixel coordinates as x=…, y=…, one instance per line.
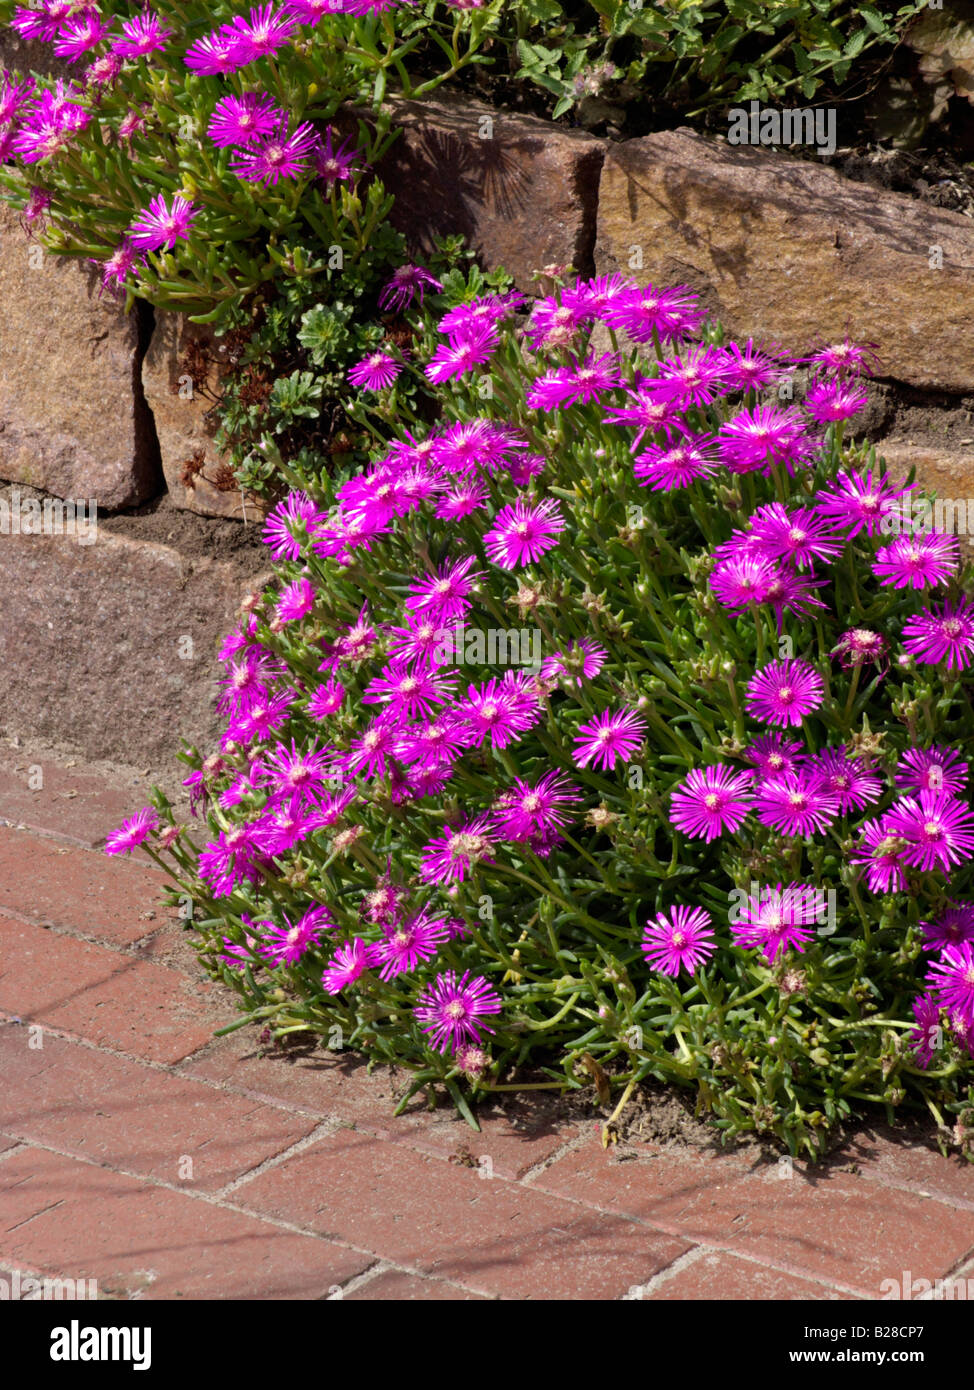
x=611, y=724
x=691, y=54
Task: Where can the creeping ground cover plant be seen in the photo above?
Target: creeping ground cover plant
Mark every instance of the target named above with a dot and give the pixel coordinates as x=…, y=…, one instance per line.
x=611, y=725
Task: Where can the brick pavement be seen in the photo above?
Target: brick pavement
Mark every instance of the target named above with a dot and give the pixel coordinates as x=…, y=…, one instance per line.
x=139, y=1150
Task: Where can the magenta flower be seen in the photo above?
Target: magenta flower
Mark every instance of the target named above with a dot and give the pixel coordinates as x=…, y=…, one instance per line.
x=289, y=525
x=694, y=379
x=488, y=309
x=444, y=595
x=927, y=1037
x=750, y=368
x=230, y=860
x=500, y=709
x=79, y=34
x=844, y=359
x=680, y=940
x=291, y=771
x=827, y=401
x=213, y=54
x=613, y=734
x=771, y=756
x=859, y=502
x=668, y=314
x=452, y=1009
x=131, y=833
x=756, y=439
x=296, y=601
x=667, y=467
x=859, y=645
x=522, y=533
x=952, y=980
x=14, y=91
x=525, y=810
x=115, y=271
x=407, y=282
x=777, y=919
x=579, y=384
x=286, y=945
x=784, y=692
x=348, y=963
x=371, y=752
x=462, y=353
x=375, y=372
x=261, y=34
x=847, y=778
x=452, y=854
x=880, y=853
x=798, y=537
x=936, y=769
x=917, y=562
x=796, y=803
x=743, y=579
x=409, y=692
x=942, y=634
x=160, y=225
x=336, y=165
x=937, y=829
x=463, y=499
x=283, y=154
x=144, y=34
x=405, y=945
x=326, y=700
x=242, y=120
x=952, y=928
x=710, y=801
x=651, y=414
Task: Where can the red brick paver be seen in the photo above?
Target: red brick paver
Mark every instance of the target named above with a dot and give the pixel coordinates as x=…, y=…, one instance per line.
x=138, y=1149
x=112, y=999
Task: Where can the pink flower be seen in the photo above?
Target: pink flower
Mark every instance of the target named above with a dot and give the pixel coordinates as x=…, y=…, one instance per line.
x=917, y=562
x=680, y=940
x=777, y=919
x=472, y=348
x=407, y=282
x=522, y=533
x=952, y=980
x=452, y=1009
x=283, y=154
x=286, y=945
x=859, y=502
x=936, y=769
x=243, y=120
x=927, y=1037
x=131, y=833
x=784, y=692
x=796, y=803
x=160, y=225
x=144, y=34
x=942, y=634
x=613, y=734
x=938, y=830
x=525, y=810
x=348, y=963
x=296, y=601
x=375, y=372
x=710, y=801
x=405, y=945
x=452, y=854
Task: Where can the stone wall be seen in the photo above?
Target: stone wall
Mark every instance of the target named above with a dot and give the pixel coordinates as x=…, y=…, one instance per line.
x=94, y=403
